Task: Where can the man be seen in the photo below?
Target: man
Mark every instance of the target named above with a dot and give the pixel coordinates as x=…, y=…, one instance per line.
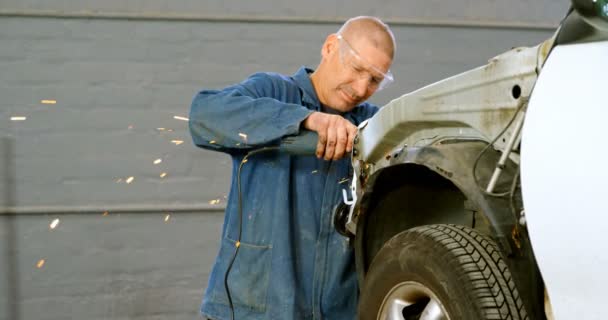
x=291, y=263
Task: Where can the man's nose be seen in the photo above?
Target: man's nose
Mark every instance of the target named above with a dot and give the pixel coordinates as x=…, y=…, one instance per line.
x=361, y=86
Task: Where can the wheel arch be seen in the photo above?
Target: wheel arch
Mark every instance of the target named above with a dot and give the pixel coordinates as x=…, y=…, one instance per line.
x=427, y=185
x=437, y=181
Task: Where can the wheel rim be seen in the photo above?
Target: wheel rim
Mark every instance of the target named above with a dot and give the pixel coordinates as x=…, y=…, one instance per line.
x=411, y=300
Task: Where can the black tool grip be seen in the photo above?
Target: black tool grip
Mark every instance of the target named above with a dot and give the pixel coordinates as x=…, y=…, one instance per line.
x=304, y=144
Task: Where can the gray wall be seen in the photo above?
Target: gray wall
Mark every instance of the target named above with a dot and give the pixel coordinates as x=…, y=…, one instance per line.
x=117, y=80
x=118, y=266
x=539, y=12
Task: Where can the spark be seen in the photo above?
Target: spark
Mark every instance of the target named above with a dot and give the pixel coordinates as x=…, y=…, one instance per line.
x=40, y=263
x=167, y=217
x=164, y=174
x=157, y=161
x=54, y=224
x=314, y=171
x=343, y=180
x=212, y=142
x=105, y=213
x=244, y=161
x=119, y=180
x=244, y=136
x=129, y=179
x=18, y=118
x=177, y=142
x=48, y=101
x=180, y=118
x=160, y=129
x=215, y=201
x=130, y=127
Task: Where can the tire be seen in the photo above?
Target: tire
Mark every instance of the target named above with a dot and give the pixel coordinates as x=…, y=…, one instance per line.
x=439, y=272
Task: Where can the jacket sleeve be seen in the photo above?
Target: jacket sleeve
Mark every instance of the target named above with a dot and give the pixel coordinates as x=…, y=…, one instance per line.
x=244, y=116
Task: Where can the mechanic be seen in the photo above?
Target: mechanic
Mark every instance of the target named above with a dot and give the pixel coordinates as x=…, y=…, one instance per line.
x=291, y=263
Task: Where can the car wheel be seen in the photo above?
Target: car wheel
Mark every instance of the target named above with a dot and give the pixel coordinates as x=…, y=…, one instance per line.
x=439, y=272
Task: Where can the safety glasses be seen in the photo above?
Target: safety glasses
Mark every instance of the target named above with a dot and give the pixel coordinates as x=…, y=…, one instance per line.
x=361, y=68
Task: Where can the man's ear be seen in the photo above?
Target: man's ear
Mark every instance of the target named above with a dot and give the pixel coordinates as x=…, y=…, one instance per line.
x=329, y=46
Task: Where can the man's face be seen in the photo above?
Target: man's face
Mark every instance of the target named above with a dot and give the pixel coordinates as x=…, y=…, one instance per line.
x=357, y=69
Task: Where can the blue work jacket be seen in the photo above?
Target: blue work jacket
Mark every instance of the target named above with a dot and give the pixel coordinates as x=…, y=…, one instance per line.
x=291, y=263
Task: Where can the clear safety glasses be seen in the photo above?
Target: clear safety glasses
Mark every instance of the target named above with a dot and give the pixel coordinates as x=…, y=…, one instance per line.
x=357, y=65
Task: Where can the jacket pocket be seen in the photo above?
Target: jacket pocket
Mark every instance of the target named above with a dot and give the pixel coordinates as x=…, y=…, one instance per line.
x=258, y=215
x=248, y=280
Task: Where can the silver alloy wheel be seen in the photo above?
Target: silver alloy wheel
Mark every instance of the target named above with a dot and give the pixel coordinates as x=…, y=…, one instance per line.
x=415, y=297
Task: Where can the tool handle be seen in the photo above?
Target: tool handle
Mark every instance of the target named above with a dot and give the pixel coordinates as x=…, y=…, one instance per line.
x=304, y=144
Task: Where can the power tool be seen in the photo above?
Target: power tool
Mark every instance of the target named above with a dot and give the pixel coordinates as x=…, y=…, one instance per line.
x=304, y=144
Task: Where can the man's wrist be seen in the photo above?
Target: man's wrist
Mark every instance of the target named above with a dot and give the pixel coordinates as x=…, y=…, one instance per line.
x=309, y=121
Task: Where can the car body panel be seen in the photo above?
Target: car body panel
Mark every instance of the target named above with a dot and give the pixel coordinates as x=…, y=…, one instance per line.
x=564, y=184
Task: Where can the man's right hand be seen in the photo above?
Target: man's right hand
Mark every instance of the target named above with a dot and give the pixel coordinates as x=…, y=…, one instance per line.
x=336, y=134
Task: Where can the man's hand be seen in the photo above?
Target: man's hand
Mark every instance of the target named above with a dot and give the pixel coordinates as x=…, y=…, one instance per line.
x=336, y=134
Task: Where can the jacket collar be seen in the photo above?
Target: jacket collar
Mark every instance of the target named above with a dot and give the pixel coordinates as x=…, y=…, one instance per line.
x=302, y=79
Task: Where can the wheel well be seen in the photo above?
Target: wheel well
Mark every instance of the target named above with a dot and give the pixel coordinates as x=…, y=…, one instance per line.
x=434, y=186
x=409, y=195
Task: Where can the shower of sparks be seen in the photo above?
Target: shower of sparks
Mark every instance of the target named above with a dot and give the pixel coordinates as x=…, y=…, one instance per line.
x=177, y=142
x=164, y=174
x=18, y=118
x=40, y=263
x=180, y=118
x=130, y=179
x=54, y=224
x=48, y=101
x=157, y=161
x=167, y=217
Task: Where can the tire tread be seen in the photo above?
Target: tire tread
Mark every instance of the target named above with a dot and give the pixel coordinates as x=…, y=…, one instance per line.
x=482, y=263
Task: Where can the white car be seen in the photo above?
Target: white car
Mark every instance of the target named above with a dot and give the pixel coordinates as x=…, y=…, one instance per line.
x=484, y=195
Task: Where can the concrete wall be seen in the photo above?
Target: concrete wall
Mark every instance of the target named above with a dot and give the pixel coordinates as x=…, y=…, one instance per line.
x=116, y=81
x=117, y=266
x=533, y=12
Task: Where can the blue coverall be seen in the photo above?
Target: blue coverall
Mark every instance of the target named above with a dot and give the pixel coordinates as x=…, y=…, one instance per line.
x=291, y=264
